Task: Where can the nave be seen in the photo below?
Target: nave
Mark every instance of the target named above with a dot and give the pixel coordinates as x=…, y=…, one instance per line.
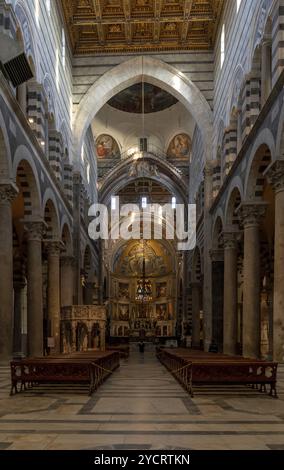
x=140, y=407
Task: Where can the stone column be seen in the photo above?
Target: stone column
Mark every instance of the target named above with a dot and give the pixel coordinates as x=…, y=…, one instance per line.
x=195, y=294
x=22, y=97
x=275, y=174
x=34, y=291
x=8, y=192
x=217, y=257
x=207, y=285
x=251, y=214
x=266, y=71
x=89, y=293
x=102, y=336
x=53, y=292
x=67, y=280
x=18, y=306
x=230, y=317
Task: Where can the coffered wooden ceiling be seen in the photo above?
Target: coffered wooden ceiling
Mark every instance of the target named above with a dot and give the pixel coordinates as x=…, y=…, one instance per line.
x=116, y=26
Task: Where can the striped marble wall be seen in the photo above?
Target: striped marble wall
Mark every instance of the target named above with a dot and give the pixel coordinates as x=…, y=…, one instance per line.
x=277, y=40
x=197, y=66
x=37, y=111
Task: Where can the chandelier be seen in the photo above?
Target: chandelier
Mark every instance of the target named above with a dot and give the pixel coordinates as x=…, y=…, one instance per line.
x=144, y=286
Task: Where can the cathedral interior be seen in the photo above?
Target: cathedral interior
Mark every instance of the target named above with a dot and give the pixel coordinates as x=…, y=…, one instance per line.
x=140, y=103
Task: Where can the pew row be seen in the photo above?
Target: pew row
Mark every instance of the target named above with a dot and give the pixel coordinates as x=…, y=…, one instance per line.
x=91, y=368
x=196, y=369
x=122, y=349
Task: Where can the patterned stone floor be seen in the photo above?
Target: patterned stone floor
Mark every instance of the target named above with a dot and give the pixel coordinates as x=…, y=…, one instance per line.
x=140, y=407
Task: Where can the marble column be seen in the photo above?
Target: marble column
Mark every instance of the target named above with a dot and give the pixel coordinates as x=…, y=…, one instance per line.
x=217, y=257
x=275, y=174
x=196, y=306
x=22, y=97
x=266, y=70
x=230, y=317
x=19, y=285
x=34, y=288
x=207, y=265
x=89, y=293
x=8, y=192
x=102, y=336
x=53, y=292
x=251, y=214
x=67, y=265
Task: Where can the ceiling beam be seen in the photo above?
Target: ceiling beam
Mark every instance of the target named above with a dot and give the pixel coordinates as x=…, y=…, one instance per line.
x=127, y=26
x=98, y=11
x=88, y=20
x=157, y=25
x=186, y=16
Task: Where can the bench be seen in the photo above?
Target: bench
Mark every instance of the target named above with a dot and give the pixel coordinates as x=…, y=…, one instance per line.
x=86, y=368
x=195, y=369
x=122, y=349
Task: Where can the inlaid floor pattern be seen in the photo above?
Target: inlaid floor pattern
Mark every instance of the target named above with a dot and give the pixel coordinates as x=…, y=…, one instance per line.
x=141, y=406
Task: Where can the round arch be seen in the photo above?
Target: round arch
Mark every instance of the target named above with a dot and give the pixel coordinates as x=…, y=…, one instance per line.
x=168, y=177
x=236, y=187
x=233, y=102
x=264, y=140
x=155, y=72
x=51, y=216
x=218, y=227
x=25, y=22
x=5, y=153
x=66, y=237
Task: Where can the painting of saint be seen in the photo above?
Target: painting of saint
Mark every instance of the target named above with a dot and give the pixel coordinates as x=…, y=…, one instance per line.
x=161, y=290
x=107, y=147
x=161, y=311
x=180, y=147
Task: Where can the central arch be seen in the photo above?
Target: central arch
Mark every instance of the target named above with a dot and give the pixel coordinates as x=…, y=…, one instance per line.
x=155, y=72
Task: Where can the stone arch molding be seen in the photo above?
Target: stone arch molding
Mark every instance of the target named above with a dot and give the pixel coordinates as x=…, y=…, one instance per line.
x=155, y=72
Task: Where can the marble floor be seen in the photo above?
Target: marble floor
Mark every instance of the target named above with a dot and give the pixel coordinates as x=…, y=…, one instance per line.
x=140, y=407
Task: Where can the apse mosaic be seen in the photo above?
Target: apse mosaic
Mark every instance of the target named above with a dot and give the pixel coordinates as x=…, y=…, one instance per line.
x=180, y=147
x=131, y=261
x=130, y=100
x=107, y=147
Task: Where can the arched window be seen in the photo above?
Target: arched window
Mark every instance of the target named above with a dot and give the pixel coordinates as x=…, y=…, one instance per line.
x=63, y=45
x=223, y=45
x=48, y=6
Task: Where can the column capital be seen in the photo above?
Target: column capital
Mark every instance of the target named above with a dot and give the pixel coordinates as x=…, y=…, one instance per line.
x=208, y=169
x=275, y=175
x=230, y=238
x=66, y=260
x=195, y=284
x=35, y=230
x=53, y=247
x=217, y=254
x=251, y=213
x=8, y=192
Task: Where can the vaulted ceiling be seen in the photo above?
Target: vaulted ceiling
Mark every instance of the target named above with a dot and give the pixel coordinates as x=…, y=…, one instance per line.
x=116, y=26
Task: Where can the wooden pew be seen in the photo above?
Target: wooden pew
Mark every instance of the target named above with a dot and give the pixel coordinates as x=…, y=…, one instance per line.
x=123, y=350
x=90, y=368
x=195, y=369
